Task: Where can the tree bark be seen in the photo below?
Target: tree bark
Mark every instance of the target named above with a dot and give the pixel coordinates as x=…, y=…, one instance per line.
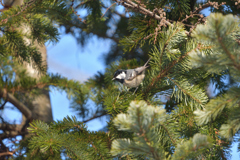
x=39, y=105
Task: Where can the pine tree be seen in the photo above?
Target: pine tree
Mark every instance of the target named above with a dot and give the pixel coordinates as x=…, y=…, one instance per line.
x=25, y=27
x=187, y=50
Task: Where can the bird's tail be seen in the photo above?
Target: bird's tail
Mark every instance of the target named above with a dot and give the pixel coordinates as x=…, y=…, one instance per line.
x=147, y=62
x=139, y=70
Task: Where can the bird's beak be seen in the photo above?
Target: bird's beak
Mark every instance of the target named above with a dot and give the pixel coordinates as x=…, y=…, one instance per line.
x=113, y=79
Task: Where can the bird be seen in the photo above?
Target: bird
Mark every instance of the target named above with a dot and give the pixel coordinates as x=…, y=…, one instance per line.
x=131, y=78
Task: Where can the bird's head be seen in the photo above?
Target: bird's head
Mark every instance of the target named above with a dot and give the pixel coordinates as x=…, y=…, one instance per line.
x=120, y=75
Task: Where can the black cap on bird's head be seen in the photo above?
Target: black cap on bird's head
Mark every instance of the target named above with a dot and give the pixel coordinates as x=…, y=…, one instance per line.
x=119, y=71
x=119, y=75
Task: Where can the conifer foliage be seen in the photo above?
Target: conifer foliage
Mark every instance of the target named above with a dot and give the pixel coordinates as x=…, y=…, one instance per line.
x=171, y=116
x=222, y=33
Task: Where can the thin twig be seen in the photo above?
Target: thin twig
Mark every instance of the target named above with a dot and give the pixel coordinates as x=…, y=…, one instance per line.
x=196, y=12
x=143, y=10
x=206, y=5
x=6, y=100
x=114, y=11
x=108, y=9
x=82, y=3
x=94, y=117
x=75, y=12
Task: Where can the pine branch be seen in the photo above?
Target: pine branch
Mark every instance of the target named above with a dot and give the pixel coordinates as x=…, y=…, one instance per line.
x=173, y=141
x=114, y=11
x=143, y=134
x=206, y=5
x=28, y=4
x=108, y=9
x=116, y=40
x=215, y=107
x=136, y=7
x=94, y=117
x=230, y=129
x=66, y=134
x=185, y=91
x=6, y=154
x=70, y=149
x=80, y=4
x=22, y=108
x=166, y=70
x=190, y=149
x=162, y=3
x=227, y=51
x=142, y=120
x=95, y=148
x=166, y=44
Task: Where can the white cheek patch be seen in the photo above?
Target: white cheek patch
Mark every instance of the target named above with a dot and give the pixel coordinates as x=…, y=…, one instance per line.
x=121, y=76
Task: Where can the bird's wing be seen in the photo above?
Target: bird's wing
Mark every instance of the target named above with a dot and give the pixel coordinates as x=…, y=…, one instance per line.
x=131, y=74
x=135, y=72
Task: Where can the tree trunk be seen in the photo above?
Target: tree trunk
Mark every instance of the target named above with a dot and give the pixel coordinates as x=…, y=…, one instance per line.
x=39, y=105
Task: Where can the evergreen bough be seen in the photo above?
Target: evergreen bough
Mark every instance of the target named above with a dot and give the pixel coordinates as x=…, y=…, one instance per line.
x=171, y=116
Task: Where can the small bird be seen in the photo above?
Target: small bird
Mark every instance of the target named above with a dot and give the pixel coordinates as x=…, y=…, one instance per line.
x=131, y=78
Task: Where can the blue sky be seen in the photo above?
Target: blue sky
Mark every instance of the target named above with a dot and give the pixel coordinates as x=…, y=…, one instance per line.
x=70, y=60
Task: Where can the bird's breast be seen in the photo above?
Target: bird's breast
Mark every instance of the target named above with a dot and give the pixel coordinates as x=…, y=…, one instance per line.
x=134, y=82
